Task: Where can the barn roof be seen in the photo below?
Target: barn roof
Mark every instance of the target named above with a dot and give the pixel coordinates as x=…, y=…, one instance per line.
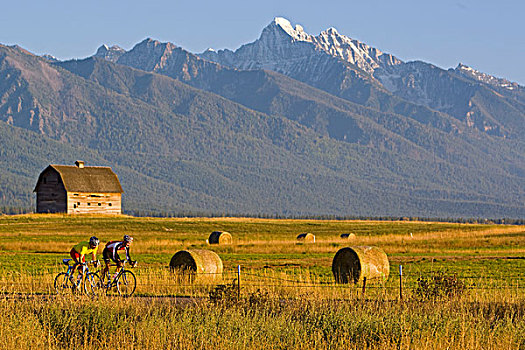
x=86, y=179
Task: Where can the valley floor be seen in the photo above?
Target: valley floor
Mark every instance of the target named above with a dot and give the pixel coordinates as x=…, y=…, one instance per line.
x=288, y=298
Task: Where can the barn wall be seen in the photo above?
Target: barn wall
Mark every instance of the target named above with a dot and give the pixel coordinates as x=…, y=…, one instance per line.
x=51, y=195
x=94, y=203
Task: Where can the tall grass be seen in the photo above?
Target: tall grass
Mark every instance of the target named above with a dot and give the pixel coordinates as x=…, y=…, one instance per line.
x=295, y=324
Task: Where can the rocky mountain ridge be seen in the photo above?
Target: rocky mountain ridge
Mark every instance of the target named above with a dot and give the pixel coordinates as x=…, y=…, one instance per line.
x=355, y=71
x=486, y=78
x=335, y=127
x=280, y=42
x=111, y=54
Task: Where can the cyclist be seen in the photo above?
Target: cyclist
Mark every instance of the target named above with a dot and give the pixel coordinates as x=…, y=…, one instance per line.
x=110, y=253
x=79, y=251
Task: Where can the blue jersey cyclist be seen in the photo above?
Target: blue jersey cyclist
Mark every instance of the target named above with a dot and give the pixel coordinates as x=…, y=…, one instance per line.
x=110, y=253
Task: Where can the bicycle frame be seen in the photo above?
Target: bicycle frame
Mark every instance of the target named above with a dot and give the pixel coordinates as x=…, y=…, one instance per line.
x=110, y=282
x=84, y=270
x=124, y=282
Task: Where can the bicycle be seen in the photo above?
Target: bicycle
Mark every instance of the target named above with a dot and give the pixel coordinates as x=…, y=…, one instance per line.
x=124, y=282
x=89, y=282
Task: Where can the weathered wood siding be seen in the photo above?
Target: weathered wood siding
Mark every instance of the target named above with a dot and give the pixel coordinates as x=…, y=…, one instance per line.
x=51, y=195
x=94, y=203
x=78, y=190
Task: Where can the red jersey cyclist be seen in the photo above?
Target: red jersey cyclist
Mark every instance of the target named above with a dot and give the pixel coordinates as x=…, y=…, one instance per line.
x=110, y=253
x=79, y=251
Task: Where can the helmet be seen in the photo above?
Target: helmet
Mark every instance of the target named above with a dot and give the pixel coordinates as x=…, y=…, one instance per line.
x=94, y=241
x=128, y=238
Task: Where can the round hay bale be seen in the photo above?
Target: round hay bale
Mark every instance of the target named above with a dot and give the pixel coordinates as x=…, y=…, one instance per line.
x=219, y=237
x=352, y=264
x=197, y=262
x=306, y=237
x=348, y=235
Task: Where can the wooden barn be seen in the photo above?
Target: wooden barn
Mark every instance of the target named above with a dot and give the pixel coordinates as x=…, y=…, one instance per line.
x=78, y=189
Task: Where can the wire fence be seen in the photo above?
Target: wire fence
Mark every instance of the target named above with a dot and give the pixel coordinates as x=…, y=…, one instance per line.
x=245, y=281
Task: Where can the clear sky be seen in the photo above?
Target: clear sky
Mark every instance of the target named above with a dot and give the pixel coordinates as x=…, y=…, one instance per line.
x=488, y=35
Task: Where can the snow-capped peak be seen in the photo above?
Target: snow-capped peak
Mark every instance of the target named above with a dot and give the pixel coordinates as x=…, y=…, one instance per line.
x=338, y=45
x=464, y=67
x=485, y=78
x=353, y=51
x=296, y=33
x=104, y=48
x=284, y=23
x=281, y=46
x=110, y=53
x=50, y=58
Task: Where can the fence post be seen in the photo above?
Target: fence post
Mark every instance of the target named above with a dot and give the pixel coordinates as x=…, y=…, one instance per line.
x=364, y=287
x=400, y=282
x=238, y=281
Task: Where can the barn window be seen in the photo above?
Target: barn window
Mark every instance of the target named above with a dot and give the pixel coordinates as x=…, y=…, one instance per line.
x=74, y=206
x=89, y=204
x=78, y=203
x=109, y=204
x=99, y=204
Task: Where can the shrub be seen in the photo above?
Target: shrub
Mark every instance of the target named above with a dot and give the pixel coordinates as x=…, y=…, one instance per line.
x=224, y=294
x=438, y=286
x=259, y=298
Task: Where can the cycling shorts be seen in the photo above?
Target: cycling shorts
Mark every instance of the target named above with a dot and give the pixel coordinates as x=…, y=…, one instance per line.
x=76, y=256
x=108, y=257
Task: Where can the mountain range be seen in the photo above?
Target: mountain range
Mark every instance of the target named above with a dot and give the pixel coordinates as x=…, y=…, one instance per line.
x=290, y=124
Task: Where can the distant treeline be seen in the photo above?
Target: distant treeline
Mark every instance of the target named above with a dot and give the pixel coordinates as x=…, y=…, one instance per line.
x=10, y=210
x=192, y=214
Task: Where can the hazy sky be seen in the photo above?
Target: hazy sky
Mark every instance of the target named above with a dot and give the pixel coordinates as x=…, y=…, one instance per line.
x=487, y=35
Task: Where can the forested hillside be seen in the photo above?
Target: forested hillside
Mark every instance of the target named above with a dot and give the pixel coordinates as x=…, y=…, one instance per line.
x=254, y=142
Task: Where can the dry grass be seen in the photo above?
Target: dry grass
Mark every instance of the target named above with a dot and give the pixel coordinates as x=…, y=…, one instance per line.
x=158, y=324
x=288, y=298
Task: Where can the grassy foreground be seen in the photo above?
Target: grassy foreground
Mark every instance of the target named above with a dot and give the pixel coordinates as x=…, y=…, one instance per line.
x=288, y=298
x=154, y=324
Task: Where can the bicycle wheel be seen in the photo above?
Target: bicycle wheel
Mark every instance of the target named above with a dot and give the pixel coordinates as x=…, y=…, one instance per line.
x=62, y=284
x=126, y=283
x=93, y=284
